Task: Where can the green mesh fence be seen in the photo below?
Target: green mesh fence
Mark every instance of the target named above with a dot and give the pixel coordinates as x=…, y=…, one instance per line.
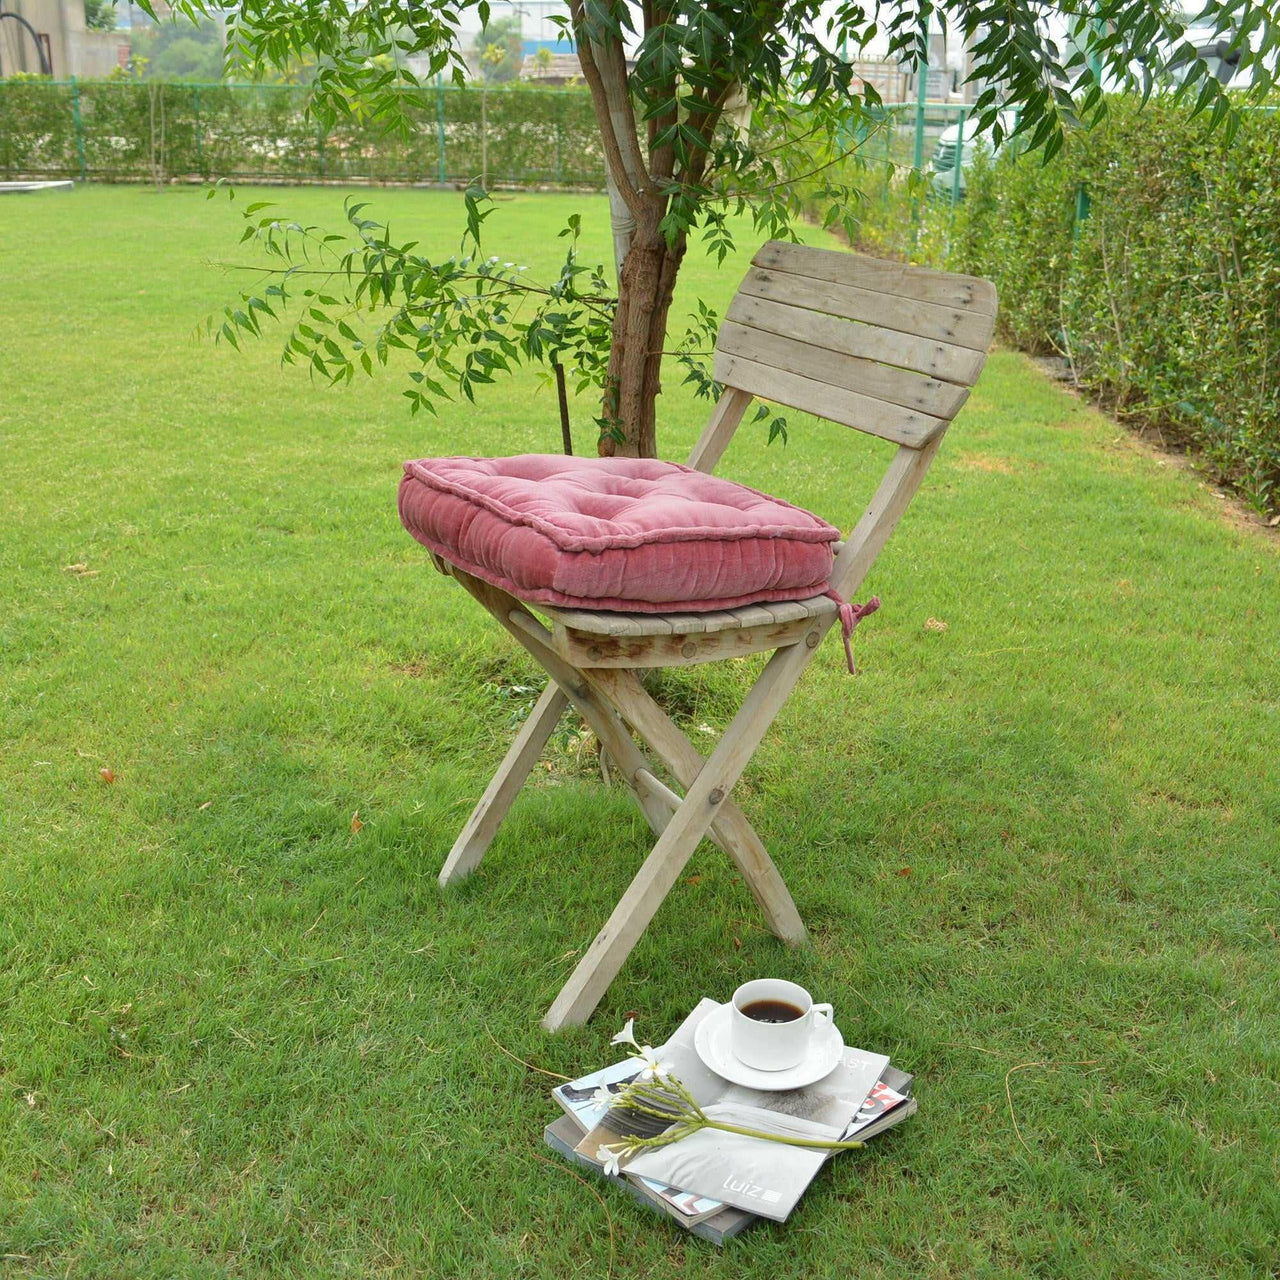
x=139, y=130
x=121, y=130
x=934, y=140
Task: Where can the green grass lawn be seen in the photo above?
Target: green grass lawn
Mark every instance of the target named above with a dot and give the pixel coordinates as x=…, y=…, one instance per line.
x=1037, y=850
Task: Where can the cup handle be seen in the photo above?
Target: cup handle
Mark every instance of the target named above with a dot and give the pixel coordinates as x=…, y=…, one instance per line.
x=824, y=1011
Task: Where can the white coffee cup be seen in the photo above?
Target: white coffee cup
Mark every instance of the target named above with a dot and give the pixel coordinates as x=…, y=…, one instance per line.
x=774, y=1045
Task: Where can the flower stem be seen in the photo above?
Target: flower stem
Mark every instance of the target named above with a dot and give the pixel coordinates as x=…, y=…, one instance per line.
x=778, y=1137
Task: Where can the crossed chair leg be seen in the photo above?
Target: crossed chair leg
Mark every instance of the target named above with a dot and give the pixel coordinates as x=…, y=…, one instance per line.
x=609, y=700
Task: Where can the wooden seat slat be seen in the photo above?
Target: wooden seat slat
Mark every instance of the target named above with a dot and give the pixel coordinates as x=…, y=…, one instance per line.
x=795, y=610
x=752, y=615
x=600, y=621
x=605, y=623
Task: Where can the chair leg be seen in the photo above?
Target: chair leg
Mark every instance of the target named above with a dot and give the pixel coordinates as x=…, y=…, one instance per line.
x=486, y=817
x=732, y=830
x=681, y=830
x=592, y=694
x=702, y=803
x=594, y=709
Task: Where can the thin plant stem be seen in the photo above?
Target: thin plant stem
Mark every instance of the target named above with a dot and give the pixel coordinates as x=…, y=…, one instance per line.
x=778, y=1137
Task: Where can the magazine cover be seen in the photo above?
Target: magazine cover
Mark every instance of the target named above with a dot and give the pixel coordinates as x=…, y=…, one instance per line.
x=579, y=1099
x=764, y=1177
x=878, y=1103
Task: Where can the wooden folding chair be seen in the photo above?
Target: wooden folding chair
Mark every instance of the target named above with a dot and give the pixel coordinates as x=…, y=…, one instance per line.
x=885, y=348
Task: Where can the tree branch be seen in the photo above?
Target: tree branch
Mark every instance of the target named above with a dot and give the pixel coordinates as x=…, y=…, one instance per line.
x=618, y=91
x=628, y=185
x=662, y=160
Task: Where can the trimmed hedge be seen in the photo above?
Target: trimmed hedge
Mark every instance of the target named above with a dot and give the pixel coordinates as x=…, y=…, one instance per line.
x=1166, y=296
x=145, y=130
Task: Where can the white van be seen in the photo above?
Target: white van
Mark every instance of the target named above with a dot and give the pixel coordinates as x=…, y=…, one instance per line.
x=951, y=150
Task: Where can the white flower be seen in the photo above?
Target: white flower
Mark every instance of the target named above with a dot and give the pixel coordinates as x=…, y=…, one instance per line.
x=602, y=1097
x=609, y=1158
x=653, y=1069
x=627, y=1035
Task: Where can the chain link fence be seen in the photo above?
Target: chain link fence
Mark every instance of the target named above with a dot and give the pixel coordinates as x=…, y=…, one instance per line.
x=917, y=178
x=122, y=131
x=146, y=131
x=126, y=130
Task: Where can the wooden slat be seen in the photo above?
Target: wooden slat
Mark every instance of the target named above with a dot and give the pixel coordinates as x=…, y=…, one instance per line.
x=684, y=624
x=937, y=359
x=791, y=610
x=603, y=623
x=663, y=624
x=905, y=315
x=752, y=615
x=880, y=381
x=651, y=624
x=945, y=288
x=583, y=649
x=888, y=421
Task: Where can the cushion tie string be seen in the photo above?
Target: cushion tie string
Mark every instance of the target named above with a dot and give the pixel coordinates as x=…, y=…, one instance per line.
x=850, y=616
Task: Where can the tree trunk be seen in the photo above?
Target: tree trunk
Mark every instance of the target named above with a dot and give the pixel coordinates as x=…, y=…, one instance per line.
x=647, y=264
x=639, y=334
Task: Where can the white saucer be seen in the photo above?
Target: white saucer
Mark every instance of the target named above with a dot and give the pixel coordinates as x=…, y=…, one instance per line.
x=711, y=1040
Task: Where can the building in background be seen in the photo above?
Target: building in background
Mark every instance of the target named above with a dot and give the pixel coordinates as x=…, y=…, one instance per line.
x=544, y=67
x=69, y=47
x=533, y=19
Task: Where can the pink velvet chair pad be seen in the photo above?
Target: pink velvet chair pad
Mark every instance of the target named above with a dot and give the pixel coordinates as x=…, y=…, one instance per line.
x=630, y=534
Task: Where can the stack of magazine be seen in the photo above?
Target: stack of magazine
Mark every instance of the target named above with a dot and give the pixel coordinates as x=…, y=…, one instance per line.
x=714, y=1183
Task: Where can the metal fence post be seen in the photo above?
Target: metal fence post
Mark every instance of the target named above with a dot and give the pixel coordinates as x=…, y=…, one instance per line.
x=955, y=173
x=1083, y=203
x=75, y=115
x=922, y=77
x=891, y=125
x=195, y=101
x=559, y=113
x=922, y=80
x=440, y=129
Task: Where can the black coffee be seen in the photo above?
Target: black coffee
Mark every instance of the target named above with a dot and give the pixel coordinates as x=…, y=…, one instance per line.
x=772, y=1011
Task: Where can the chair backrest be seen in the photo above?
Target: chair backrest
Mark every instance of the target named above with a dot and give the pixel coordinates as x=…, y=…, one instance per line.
x=880, y=346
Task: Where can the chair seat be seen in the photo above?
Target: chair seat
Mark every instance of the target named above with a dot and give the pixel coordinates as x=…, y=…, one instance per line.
x=608, y=623
x=600, y=638
x=626, y=535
